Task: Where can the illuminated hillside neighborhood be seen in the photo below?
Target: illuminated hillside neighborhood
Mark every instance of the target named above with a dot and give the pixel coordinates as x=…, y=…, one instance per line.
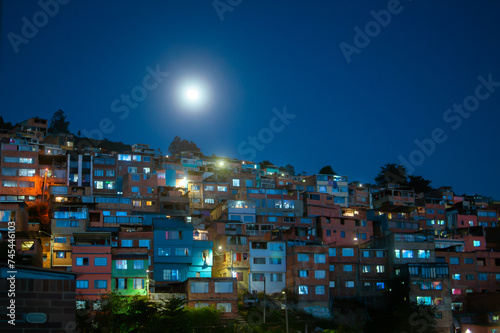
x=207, y=229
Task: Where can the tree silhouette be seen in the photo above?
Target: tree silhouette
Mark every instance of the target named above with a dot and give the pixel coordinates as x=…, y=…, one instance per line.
x=58, y=123
x=179, y=145
x=265, y=163
x=290, y=169
x=391, y=173
x=419, y=184
x=327, y=170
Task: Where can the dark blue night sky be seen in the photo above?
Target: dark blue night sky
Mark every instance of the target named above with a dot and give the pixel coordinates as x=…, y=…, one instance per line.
x=267, y=55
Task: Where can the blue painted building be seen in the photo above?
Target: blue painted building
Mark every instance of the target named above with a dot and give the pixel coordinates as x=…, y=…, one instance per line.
x=180, y=251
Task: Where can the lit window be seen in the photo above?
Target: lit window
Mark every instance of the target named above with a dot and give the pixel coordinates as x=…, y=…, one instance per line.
x=320, y=290
x=171, y=274
x=121, y=283
x=201, y=305
x=123, y=157
x=347, y=268
x=258, y=261
x=59, y=239
x=224, y=307
x=380, y=268
x=144, y=243
x=303, y=273
x=424, y=253
x=81, y=305
x=182, y=251
x=366, y=269
x=138, y=283
x=236, y=182
x=477, y=243
x=275, y=261
x=276, y=277
x=319, y=258
x=100, y=284
x=164, y=252
x=347, y=252
x=138, y=264
x=255, y=276
x=82, y=261
x=82, y=284
x=199, y=287
x=424, y=300
x=303, y=290
x=302, y=257
x=407, y=253
x=100, y=261
x=320, y=274
x=121, y=264
x=173, y=234
x=224, y=287
x=349, y=284
x=27, y=245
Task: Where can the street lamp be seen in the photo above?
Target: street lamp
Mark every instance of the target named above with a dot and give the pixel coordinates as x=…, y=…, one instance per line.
x=286, y=311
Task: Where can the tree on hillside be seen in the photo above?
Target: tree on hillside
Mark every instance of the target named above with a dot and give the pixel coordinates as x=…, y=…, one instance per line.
x=391, y=173
x=265, y=163
x=327, y=170
x=4, y=125
x=419, y=184
x=58, y=123
x=179, y=145
x=290, y=169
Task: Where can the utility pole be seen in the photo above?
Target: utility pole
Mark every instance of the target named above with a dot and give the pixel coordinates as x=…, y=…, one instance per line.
x=264, y=320
x=286, y=312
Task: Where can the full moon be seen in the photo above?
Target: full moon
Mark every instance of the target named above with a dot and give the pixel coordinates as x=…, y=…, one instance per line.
x=193, y=93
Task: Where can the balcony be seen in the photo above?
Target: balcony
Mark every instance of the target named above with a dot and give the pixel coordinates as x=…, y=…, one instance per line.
x=123, y=219
x=156, y=297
